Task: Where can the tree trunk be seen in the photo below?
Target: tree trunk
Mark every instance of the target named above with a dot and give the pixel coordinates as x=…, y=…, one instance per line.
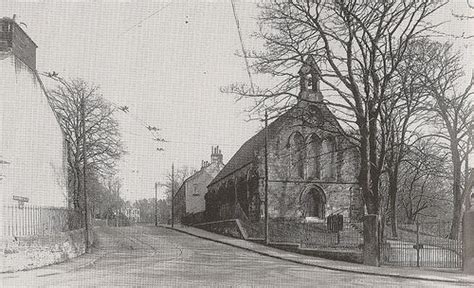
x=392, y=194
x=374, y=172
x=364, y=172
x=457, y=199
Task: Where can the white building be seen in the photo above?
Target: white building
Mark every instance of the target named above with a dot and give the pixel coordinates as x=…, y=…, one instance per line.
x=189, y=199
x=32, y=147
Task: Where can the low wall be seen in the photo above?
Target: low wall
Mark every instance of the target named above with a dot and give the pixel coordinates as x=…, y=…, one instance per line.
x=340, y=255
x=28, y=252
x=225, y=227
x=346, y=255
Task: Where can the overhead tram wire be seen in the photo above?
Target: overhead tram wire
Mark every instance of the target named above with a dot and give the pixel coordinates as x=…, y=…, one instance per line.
x=189, y=142
x=237, y=23
x=151, y=129
x=146, y=18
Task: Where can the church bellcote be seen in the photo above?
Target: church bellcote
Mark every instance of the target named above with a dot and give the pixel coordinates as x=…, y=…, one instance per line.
x=310, y=79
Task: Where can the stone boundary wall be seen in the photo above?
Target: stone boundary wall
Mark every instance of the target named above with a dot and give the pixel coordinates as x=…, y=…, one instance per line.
x=225, y=227
x=24, y=253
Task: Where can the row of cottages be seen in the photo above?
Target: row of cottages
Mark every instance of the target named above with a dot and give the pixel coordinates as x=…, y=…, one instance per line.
x=189, y=199
x=312, y=169
x=32, y=146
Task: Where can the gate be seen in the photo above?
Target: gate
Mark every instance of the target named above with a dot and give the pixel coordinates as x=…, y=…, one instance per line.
x=423, y=244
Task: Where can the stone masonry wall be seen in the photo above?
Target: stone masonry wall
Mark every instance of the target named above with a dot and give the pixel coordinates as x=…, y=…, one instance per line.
x=315, y=180
x=286, y=187
x=24, y=253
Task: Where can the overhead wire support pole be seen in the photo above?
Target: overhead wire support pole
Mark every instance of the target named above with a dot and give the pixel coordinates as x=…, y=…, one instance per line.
x=84, y=164
x=266, y=179
x=156, y=203
x=172, y=195
x=237, y=23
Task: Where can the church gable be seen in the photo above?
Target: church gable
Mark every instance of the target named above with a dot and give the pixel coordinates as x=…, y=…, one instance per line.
x=312, y=169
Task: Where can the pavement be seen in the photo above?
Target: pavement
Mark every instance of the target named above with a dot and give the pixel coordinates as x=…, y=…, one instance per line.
x=141, y=256
x=437, y=275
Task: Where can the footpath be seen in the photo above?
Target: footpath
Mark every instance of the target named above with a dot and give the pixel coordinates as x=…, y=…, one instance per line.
x=438, y=275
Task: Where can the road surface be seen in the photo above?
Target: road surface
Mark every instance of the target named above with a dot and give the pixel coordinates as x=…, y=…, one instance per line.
x=159, y=257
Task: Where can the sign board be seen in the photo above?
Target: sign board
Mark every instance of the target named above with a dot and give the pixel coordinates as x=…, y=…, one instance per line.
x=21, y=198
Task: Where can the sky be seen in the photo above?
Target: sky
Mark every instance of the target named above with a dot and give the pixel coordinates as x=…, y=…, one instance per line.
x=166, y=61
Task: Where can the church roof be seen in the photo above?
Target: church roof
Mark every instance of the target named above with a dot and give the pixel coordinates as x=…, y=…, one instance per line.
x=247, y=152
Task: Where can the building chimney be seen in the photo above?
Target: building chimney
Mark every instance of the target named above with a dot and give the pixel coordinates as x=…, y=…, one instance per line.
x=204, y=164
x=14, y=39
x=216, y=155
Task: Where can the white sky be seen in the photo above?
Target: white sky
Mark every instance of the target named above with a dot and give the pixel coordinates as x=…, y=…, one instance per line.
x=166, y=70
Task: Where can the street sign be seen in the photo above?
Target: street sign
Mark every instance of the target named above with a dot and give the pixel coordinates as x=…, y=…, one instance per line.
x=20, y=198
x=418, y=246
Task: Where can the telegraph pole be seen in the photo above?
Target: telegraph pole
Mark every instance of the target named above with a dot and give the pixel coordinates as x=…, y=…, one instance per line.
x=156, y=203
x=84, y=161
x=172, y=195
x=266, y=178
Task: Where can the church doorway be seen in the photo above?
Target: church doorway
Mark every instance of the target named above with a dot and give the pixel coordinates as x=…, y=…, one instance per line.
x=314, y=203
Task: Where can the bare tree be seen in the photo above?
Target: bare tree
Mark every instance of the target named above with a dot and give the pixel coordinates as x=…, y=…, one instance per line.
x=180, y=175
x=358, y=46
x=452, y=108
x=105, y=198
x=103, y=144
x=424, y=181
x=402, y=120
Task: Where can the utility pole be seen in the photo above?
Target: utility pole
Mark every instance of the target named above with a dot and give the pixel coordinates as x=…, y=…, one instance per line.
x=156, y=204
x=172, y=195
x=266, y=179
x=84, y=164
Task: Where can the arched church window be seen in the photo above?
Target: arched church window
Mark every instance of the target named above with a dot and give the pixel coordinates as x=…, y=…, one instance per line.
x=253, y=196
x=297, y=147
x=330, y=163
x=313, y=157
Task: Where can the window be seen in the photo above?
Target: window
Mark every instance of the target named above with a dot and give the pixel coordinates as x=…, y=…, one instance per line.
x=313, y=157
x=297, y=154
x=195, y=190
x=330, y=158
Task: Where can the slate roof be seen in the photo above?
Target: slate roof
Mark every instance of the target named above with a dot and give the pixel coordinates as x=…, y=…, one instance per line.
x=246, y=153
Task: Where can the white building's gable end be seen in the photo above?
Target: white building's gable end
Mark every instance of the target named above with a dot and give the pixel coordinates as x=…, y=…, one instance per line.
x=32, y=151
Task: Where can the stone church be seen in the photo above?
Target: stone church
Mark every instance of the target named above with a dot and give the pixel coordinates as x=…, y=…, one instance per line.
x=312, y=167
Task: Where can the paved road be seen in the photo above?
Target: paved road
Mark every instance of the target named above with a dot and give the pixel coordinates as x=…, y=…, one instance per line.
x=159, y=257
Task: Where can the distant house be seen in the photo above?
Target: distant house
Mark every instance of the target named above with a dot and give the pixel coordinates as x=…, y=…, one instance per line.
x=189, y=199
x=132, y=213
x=32, y=147
x=312, y=168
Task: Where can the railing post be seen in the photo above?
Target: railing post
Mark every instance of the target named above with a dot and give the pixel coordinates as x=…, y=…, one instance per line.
x=417, y=244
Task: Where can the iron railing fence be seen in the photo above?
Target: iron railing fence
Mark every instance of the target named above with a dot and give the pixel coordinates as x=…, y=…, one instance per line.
x=26, y=220
x=423, y=244
x=315, y=234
